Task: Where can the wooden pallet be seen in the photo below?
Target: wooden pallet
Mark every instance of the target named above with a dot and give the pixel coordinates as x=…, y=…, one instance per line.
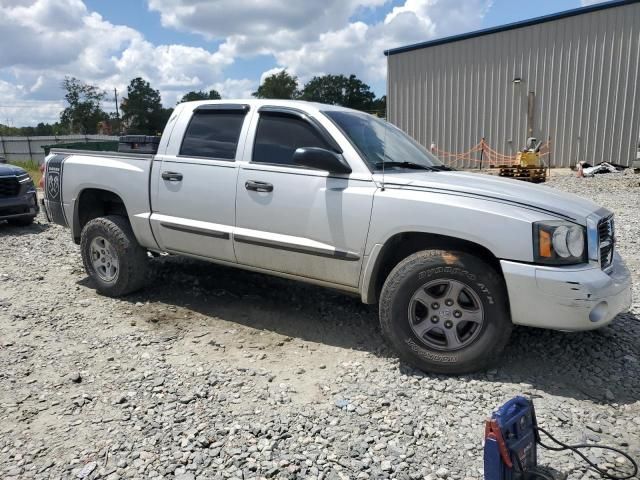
x=526, y=174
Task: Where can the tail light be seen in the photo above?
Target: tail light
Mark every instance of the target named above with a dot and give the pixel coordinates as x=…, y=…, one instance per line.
x=41, y=182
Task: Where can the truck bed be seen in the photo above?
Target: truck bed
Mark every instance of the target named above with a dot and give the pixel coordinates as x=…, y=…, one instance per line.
x=88, y=172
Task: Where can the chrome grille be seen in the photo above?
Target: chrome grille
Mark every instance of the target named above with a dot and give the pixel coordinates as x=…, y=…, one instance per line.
x=606, y=241
x=9, y=187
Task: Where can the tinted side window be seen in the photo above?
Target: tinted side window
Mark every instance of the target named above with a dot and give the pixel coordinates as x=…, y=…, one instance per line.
x=213, y=135
x=277, y=137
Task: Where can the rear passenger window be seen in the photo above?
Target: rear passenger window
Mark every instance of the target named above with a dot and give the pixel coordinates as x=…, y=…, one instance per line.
x=213, y=134
x=278, y=137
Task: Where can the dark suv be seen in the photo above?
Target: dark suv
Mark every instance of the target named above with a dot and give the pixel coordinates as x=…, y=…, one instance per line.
x=18, y=198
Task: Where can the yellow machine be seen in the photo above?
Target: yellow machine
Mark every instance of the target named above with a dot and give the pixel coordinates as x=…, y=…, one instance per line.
x=529, y=166
x=528, y=159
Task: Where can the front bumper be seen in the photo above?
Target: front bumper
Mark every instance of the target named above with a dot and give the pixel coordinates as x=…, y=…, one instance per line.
x=567, y=298
x=25, y=205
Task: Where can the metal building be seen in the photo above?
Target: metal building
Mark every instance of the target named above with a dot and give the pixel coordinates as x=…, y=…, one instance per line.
x=572, y=78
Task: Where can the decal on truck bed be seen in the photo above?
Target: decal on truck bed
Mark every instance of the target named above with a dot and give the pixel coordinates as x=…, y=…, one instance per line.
x=53, y=189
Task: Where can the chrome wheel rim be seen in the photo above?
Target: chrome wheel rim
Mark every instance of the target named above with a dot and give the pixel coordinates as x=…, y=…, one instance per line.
x=446, y=314
x=104, y=259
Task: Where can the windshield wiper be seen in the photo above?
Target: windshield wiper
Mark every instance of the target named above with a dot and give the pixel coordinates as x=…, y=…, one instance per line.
x=416, y=166
x=442, y=168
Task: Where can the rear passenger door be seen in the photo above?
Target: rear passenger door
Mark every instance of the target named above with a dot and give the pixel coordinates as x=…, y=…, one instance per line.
x=194, y=207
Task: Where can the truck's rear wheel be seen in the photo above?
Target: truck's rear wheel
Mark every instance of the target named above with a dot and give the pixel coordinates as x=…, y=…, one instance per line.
x=112, y=256
x=445, y=312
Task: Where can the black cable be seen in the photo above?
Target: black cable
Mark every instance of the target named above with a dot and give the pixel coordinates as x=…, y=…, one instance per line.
x=536, y=473
x=575, y=449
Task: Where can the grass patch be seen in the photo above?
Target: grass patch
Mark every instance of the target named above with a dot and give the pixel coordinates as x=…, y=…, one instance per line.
x=32, y=167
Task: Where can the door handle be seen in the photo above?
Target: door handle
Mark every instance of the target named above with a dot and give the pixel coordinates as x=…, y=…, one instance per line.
x=172, y=176
x=258, y=186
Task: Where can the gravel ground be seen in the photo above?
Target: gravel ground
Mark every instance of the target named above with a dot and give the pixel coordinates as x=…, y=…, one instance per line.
x=217, y=373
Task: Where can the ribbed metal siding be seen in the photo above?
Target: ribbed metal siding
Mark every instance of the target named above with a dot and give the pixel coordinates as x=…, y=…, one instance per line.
x=584, y=70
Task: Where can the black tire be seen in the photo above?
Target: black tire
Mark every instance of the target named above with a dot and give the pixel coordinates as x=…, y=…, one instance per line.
x=21, y=221
x=131, y=257
x=486, y=338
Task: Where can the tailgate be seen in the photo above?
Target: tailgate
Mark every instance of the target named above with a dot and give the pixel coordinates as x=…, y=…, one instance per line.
x=52, y=189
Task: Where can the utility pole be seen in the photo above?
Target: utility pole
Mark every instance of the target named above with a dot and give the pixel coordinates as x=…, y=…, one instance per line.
x=118, y=123
x=115, y=94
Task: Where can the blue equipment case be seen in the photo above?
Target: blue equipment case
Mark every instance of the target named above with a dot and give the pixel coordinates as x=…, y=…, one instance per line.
x=510, y=441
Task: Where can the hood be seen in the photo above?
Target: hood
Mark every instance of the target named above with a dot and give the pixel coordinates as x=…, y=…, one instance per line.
x=488, y=187
x=7, y=170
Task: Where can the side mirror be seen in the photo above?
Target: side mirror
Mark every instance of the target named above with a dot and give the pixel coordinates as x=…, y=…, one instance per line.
x=321, y=159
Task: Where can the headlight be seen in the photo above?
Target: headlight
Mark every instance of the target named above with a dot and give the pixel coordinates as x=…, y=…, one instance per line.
x=557, y=242
x=24, y=178
x=26, y=183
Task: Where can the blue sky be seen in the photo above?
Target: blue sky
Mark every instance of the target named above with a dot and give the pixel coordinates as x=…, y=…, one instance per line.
x=508, y=11
x=136, y=14
x=229, y=45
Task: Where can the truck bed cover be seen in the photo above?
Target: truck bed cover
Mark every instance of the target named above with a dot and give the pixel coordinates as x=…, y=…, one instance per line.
x=92, y=153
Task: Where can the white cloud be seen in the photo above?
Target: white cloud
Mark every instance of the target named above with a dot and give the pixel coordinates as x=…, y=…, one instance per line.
x=313, y=38
x=16, y=108
x=254, y=27
x=234, y=88
x=268, y=73
x=590, y=2
x=358, y=47
x=44, y=40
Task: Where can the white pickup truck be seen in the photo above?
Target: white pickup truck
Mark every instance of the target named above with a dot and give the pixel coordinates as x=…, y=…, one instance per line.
x=342, y=199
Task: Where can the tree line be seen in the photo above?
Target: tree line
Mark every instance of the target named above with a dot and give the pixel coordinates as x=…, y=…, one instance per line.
x=141, y=110
x=348, y=91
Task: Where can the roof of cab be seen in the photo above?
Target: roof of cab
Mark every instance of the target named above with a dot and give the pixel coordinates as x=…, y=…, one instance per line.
x=309, y=107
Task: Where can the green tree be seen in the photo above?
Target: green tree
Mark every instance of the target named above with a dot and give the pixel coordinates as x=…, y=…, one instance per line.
x=358, y=94
x=349, y=92
x=380, y=106
x=279, y=85
x=163, y=118
x=59, y=129
x=200, y=95
x=83, y=111
x=6, y=130
x=329, y=89
x=40, y=130
x=44, y=129
x=142, y=111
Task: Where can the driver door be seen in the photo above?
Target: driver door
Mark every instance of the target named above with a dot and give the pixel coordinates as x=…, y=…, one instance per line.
x=298, y=220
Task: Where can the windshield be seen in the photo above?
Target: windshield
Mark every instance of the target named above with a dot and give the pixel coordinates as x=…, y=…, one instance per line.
x=379, y=141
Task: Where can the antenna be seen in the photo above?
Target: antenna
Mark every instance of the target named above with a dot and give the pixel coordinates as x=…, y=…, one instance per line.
x=386, y=125
x=384, y=154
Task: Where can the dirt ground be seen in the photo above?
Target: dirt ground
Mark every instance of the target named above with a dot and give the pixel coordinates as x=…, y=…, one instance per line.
x=212, y=372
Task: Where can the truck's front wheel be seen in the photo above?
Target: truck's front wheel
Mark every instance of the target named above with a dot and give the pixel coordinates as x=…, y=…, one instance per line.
x=112, y=256
x=445, y=312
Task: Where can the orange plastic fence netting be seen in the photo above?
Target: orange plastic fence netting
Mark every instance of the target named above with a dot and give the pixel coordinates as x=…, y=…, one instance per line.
x=489, y=155
x=444, y=155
